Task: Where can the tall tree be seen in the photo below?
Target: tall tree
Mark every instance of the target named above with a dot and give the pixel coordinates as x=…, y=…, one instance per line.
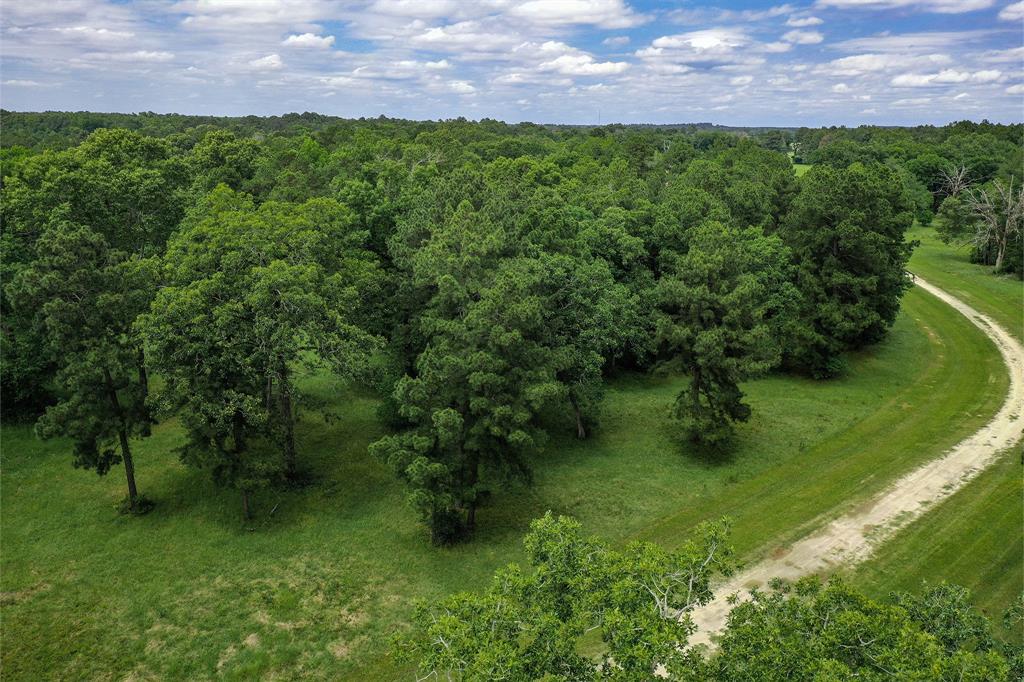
x=252, y=295
x=846, y=233
x=483, y=378
x=718, y=307
x=124, y=186
x=86, y=297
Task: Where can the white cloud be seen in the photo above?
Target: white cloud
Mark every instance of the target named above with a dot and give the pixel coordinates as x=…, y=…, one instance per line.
x=962, y=95
x=912, y=42
x=1015, y=89
x=803, y=22
x=716, y=47
x=741, y=80
x=912, y=102
x=603, y=13
x=616, y=41
x=840, y=87
x=1013, y=55
x=308, y=40
x=464, y=36
x=944, y=77
x=711, y=39
x=937, y=6
x=244, y=16
x=269, y=63
x=860, y=64
x=416, y=9
x=21, y=83
x=137, y=56
x=704, y=15
x=461, y=87
x=1014, y=12
x=582, y=65
x=803, y=37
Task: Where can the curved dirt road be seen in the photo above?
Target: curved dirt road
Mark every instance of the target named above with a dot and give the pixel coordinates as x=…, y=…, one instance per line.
x=852, y=537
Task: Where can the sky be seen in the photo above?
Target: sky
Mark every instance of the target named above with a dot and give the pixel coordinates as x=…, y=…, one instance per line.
x=809, y=62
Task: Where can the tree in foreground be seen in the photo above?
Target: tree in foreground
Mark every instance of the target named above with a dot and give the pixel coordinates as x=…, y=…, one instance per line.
x=846, y=234
x=584, y=612
x=833, y=632
x=86, y=297
x=718, y=307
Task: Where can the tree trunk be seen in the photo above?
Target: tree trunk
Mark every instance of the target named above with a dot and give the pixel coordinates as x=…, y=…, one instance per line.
x=285, y=404
x=268, y=393
x=122, y=434
x=581, y=433
x=129, y=468
x=1000, y=252
x=144, y=388
x=695, y=390
x=472, y=476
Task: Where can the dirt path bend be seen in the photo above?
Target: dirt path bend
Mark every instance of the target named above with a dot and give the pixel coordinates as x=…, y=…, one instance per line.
x=851, y=538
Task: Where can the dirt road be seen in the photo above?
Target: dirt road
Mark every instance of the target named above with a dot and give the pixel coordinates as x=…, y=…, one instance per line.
x=851, y=538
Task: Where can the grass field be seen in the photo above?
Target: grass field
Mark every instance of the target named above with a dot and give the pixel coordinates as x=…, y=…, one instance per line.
x=315, y=589
x=976, y=538
x=1001, y=296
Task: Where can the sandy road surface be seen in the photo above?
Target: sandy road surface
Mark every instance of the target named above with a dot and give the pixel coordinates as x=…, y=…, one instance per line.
x=851, y=538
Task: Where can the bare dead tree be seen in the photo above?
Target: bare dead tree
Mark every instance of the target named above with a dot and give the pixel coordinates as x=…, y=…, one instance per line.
x=1000, y=212
x=955, y=180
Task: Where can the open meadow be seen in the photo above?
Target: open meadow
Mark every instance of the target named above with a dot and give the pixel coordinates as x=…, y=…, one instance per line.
x=317, y=582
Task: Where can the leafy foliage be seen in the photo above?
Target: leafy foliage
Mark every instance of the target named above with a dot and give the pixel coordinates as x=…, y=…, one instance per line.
x=537, y=624
x=252, y=294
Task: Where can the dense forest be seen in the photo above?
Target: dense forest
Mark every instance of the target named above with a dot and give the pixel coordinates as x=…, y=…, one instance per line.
x=484, y=280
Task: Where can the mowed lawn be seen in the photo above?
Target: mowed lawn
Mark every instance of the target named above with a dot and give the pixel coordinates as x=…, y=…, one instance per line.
x=949, y=267
x=976, y=537
x=314, y=587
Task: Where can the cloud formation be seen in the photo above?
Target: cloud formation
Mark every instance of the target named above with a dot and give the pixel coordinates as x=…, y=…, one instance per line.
x=815, y=62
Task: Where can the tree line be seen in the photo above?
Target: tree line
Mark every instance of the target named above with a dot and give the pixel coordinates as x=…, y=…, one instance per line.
x=483, y=278
x=965, y=177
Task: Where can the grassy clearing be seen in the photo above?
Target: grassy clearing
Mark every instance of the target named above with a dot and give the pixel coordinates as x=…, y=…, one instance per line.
x=314, y=590
x=1000, y=296
x=801, y=168
x=976, y=538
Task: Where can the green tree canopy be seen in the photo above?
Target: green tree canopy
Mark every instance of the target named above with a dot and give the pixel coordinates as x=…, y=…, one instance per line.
x=846, y=234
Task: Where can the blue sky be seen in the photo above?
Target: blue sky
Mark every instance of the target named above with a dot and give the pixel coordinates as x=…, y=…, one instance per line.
x=809, y=62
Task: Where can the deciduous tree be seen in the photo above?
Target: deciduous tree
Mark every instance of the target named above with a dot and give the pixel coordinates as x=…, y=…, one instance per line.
x=86, y=296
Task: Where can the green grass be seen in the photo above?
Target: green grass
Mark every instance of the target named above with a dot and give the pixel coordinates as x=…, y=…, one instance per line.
x=975, y=538
x=801, y=168
x=315, y=589
x=948, y=267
